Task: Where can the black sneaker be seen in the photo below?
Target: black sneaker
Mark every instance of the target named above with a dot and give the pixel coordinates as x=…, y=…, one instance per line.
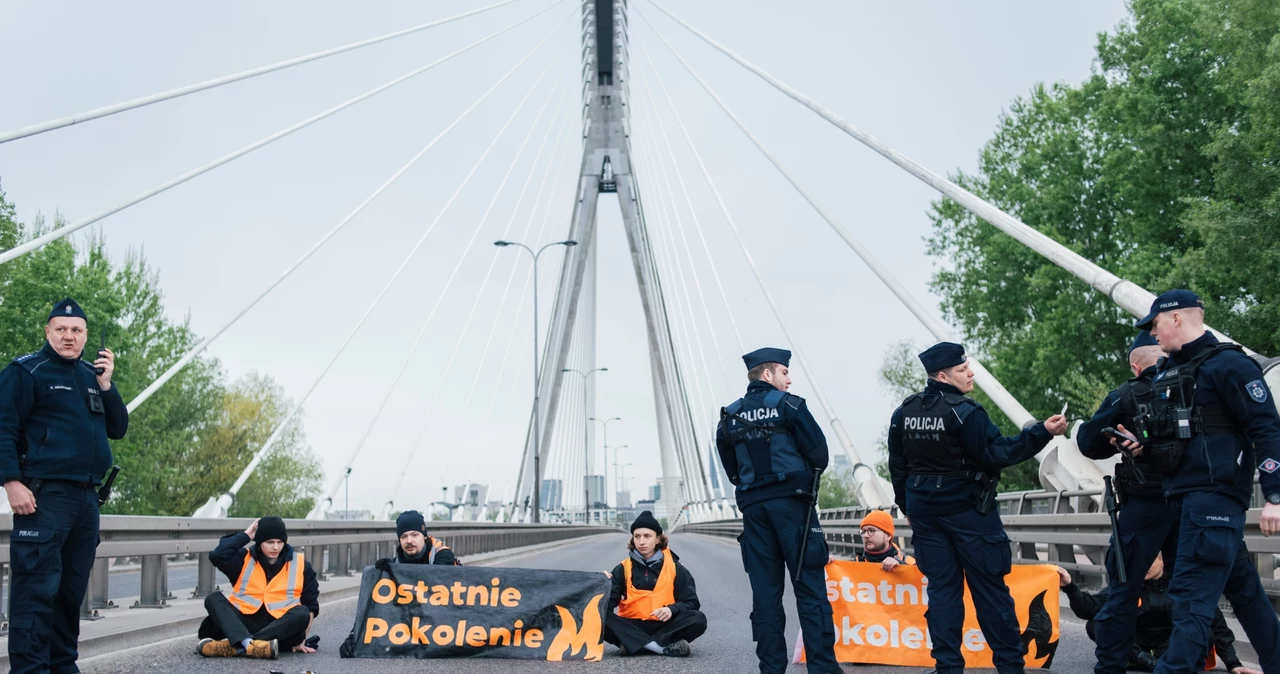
x=679, y=649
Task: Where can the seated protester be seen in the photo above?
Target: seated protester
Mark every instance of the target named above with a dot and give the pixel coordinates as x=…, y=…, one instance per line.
x=415, y=547
x=273, y=600
x=877, y=542
x=1155, y=621
x=654, y=596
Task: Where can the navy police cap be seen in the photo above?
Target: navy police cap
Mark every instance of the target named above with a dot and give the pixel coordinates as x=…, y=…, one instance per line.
x=767, y=355
x=1173, y=299
x=1144, y=338
x=67, y=308
x=941, y=356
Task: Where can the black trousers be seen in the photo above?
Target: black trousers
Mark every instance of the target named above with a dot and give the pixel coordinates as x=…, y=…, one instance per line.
x=227, y=622
x=632, y=634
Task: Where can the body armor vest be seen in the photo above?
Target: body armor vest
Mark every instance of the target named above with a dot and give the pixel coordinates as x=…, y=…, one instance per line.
x=930, y=449
x=766, y=452
x=1164, y=414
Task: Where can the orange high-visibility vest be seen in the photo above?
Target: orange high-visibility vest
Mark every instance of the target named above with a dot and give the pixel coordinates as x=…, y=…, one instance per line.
x=436, y=546
x=640, y=604
x=252, y=591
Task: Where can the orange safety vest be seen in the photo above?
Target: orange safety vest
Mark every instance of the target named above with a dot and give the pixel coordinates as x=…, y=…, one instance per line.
x=436, y=546
x=640, y=604
x=252, y=590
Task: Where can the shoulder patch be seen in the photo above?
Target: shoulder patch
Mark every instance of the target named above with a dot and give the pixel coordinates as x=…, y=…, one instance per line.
x=794, y=402
x=965, y=408
x=1258, y=391
x=30, y=361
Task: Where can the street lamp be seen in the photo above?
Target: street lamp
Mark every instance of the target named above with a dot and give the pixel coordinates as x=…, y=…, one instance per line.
x=586, y=451
x=616, y=486
x=605, y=442
x=537, y=414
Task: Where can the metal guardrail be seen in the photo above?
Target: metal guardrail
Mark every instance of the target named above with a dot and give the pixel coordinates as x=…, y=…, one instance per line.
x=1043, y=528
x=334, y=547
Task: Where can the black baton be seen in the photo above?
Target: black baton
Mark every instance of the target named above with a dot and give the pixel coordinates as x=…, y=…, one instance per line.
x=104, y=492
x=808, y=519
x=1109, y=501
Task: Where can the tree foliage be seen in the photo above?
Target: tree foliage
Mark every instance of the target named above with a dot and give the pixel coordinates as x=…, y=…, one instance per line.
x=192, y=438
x=1161, y=167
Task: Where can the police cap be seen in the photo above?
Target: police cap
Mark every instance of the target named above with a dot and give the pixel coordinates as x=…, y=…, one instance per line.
x=67, y=308
x=1168, y=301
x=1144, y=338
x=941, y=356
x=767, y=355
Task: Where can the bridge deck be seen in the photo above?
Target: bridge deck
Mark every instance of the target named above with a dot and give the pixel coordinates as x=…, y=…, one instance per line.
x=722, y=587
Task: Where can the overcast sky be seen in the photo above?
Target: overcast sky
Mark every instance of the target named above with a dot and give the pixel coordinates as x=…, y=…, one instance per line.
x=930, y=79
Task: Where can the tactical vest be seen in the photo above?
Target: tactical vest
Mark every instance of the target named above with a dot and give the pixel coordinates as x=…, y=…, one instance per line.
x=929, y=448
x=640, y=604
x=766, y=452
x=1164, y=414
x=253, y=590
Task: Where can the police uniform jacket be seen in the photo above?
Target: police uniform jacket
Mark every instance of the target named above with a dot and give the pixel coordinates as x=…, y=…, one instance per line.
x=1095, y=444
x=228, y=558
x=795, y=419
x=1154, y=625
x=981, y=443
x=644, y=576
x=1225, y=462
x=45, y=415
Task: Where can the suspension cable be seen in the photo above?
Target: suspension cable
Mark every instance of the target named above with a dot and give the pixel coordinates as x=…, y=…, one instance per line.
x=98, y=113
x=54, y=235
x=257, y=458
x=315, y=247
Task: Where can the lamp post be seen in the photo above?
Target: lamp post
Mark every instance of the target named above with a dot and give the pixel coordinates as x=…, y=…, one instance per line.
x=605, y=442
x=586, y=451
x=617, y=486
x=537, y=413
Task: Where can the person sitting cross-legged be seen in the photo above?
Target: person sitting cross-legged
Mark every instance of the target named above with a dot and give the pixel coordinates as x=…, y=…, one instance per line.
x=274, y=598
x=877, y=542
x=653, y=605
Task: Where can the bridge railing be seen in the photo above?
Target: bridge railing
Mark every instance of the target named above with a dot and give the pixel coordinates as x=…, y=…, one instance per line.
x=1043, y=528
x=334, y=548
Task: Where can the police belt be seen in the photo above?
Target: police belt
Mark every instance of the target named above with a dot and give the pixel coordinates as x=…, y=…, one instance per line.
x=968, y=474
x=79, y=484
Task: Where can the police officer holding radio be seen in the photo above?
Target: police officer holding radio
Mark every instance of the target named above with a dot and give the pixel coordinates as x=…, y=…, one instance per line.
x=771, y=447
x=1146, y=522
x=56, y=415
x=945, y=457
x=1211, y=416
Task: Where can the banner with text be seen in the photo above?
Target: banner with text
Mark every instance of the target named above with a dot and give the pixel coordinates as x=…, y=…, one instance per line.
x=879, y=615
x=423, y=611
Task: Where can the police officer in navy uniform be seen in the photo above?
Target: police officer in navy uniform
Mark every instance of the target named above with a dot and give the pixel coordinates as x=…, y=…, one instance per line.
x=945, y=457
x=1212, y=412
x=770, y=447
x=56, y=414
x=1146, y=522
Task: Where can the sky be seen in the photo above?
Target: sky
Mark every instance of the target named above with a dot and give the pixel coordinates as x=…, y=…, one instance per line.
x=930, y=79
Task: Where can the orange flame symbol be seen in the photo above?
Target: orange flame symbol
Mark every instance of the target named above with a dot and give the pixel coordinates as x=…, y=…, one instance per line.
x=571, y=639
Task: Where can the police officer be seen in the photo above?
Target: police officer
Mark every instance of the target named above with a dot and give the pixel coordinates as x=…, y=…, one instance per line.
x=770, y=446
x=1212, y=416
x=945, y=457
x=56, y=414
x=1146, y=522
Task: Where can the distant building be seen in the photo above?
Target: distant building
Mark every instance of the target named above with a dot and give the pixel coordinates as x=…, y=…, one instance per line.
x=552, y=494
x=655, y=492
x=623, y=500
x=596, y=491
x=841, y=465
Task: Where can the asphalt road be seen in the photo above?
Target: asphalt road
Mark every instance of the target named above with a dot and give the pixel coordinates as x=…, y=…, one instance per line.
x=726, y=647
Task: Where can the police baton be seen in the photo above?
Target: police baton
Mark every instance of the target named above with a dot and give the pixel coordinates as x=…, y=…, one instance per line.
x=1109, y=502
x=808, y=519
x=104, y=492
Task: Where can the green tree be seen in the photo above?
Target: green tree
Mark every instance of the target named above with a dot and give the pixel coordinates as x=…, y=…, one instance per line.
x=836, y=491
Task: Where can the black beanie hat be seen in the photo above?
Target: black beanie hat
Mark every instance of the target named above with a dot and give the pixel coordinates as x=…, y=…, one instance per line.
x=410, y=520
x=646, y=520
x=269, y=528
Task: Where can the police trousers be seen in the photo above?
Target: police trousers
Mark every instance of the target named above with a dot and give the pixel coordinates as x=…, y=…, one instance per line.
x=968, y=547
x=227, y=622
x=52, y=552
x=1213, y=561
x=632, y=634
x=772, y=534
x=1147, y=527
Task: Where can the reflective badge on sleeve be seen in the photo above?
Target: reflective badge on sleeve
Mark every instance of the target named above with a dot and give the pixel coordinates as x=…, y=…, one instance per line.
x=1269, y=466
x=1257, y=390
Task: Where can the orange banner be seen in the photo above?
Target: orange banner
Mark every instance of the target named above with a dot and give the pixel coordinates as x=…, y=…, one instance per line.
x=879, y=615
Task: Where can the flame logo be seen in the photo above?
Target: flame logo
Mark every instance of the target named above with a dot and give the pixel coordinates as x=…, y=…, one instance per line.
x=1040, y=630
x=571, y=639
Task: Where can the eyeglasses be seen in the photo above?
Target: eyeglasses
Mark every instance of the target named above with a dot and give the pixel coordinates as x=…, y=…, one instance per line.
x=868, y=531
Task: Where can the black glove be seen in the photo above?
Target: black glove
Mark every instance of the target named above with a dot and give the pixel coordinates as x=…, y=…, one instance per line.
x=383, y=565
x=312, y=641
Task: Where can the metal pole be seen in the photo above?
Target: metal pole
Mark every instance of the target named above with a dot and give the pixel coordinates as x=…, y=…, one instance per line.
x=586, y=456
x=537, y=413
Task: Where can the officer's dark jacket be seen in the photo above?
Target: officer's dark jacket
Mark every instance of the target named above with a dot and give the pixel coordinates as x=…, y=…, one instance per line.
x=1225, y=462
x=1094, y=444
x=981, y=442
x=44, y=414
x=444, y=557
x=1155, y=618
x=644, y=576
x=228, y=558
x=796, y=420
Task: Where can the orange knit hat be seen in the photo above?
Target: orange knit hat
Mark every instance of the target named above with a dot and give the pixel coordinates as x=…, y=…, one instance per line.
x=880, y=520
